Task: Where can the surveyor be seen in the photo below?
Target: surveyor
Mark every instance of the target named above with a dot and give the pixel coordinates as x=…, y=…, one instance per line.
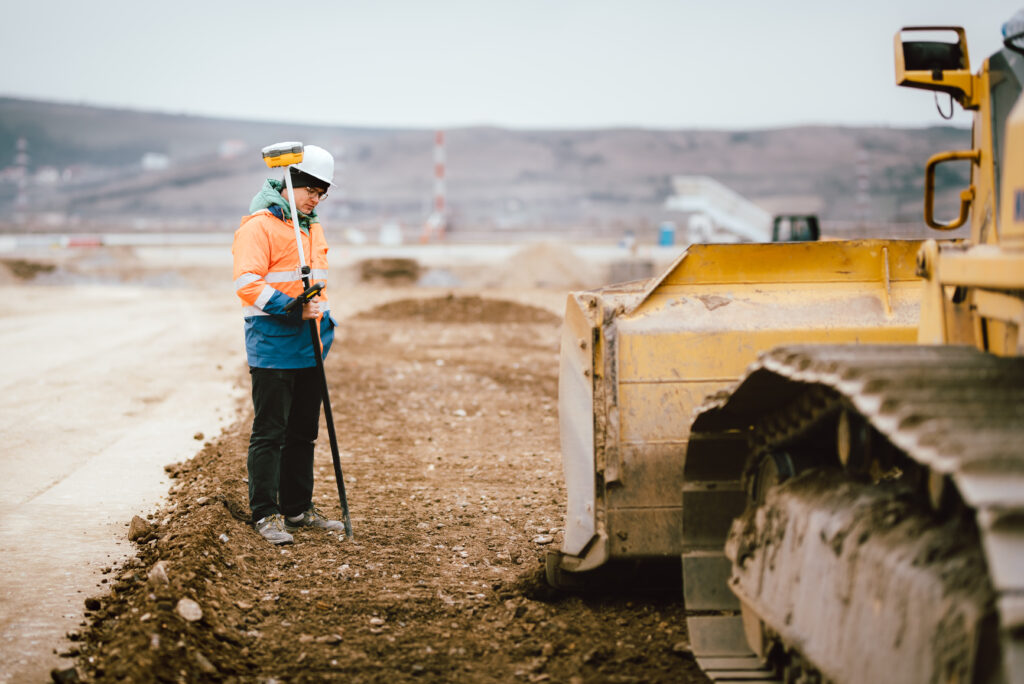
x=282, y=363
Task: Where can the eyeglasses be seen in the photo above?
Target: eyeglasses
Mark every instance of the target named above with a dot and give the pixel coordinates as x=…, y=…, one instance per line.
x=317, y=193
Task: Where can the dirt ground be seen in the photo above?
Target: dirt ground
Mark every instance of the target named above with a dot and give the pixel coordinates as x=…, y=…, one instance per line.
x=446, y=411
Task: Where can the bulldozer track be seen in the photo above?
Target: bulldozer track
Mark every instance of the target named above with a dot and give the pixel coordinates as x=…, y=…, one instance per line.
x=948, y=424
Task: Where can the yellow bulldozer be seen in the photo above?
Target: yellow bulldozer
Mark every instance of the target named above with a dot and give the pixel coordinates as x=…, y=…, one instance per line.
x=829, y=436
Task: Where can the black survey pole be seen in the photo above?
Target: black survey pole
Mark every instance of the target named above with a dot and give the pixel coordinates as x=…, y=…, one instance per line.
x=309, y=293
x=284, y=155
x=338, y=477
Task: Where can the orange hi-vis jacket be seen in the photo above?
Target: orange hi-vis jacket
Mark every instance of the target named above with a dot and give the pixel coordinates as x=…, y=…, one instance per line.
x=267, y=279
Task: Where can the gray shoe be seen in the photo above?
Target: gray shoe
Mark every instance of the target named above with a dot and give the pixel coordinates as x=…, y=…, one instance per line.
x=272, y=529
x=314, y=518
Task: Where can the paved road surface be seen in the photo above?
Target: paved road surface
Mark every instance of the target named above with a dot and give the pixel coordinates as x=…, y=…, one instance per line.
x=100, y=387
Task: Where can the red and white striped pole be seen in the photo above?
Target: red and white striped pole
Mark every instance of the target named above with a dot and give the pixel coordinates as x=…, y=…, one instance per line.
x=439, y=173
x=436, y=222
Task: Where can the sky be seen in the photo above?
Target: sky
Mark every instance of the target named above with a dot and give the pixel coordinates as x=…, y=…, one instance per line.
x=533, y=64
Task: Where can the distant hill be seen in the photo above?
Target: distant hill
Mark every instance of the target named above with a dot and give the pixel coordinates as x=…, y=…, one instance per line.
x=115, y=168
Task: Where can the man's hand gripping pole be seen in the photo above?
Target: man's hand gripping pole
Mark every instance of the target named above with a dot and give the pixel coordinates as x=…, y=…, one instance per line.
x=308, y=295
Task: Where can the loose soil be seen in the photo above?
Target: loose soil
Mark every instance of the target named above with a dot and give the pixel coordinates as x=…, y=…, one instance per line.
x=13, y=270
x=446, y=415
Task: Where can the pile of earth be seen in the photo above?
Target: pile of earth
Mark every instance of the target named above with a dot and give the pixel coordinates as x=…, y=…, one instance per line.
x=393, y=271
x=460, y=309
x=550, y=265
x=449, y=446
x=541, y=265
x=19, y=270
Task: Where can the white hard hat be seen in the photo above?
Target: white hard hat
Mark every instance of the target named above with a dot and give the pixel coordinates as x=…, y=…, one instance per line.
x=317, y=162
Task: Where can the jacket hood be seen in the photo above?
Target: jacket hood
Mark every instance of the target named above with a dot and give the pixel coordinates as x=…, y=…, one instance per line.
x=270, y=196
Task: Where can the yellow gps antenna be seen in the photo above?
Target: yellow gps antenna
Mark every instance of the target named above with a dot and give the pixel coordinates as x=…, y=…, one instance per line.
x=285, y=154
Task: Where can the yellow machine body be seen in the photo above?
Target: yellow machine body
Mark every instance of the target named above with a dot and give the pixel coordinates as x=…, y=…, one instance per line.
x=638, y=359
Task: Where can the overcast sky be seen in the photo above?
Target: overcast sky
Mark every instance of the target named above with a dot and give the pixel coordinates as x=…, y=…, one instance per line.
x=515, y=63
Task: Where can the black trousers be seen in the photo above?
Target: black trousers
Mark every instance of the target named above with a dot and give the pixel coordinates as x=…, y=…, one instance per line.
x=284, y=430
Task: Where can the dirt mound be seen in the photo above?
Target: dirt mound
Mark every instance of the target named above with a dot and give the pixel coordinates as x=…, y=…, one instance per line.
x=548, y=265
x=393, y=271
x=450, y=452
x=456, y=309
x=20, y=270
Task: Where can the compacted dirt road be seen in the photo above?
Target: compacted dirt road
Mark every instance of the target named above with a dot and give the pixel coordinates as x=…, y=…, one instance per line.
x=446, y=410
x=100, y=386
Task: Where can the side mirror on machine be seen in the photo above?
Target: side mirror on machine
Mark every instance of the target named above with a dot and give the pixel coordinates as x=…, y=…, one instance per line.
x=935, y=64
x=941, y=66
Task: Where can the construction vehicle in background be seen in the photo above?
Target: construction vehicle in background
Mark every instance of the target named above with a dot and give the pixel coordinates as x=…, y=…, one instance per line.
x=717, y=213
x=828, y=435
x=795, y=228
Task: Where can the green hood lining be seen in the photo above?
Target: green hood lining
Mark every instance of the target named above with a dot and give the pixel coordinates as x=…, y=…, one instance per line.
x=270, y=195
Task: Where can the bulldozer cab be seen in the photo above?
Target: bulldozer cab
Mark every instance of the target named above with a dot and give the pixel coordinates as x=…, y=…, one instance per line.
x=795, y=228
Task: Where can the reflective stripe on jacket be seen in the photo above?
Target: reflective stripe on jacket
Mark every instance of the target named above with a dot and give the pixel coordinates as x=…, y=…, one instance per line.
x=267, y=279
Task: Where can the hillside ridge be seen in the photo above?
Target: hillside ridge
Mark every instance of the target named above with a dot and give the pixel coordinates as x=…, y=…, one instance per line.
x=85, y=165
